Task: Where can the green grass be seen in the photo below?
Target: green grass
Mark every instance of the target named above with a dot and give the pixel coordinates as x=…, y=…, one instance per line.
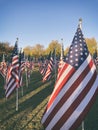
x=32, y=105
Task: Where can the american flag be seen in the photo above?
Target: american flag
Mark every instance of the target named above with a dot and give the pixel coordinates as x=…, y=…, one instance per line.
x=75, y=90
x=48, y=73
x=44, y=66
x=12, y=80
x=95, y=57
x=22, y=61
x=3, y=67
x=21, y=66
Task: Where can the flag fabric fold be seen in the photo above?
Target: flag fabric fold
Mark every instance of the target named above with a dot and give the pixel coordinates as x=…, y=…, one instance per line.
x=75, y=90
x=12, y=79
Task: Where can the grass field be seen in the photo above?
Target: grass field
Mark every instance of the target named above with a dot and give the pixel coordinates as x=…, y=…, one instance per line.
x=32, y=105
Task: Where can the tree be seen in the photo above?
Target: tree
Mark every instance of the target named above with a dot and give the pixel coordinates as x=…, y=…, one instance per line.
x=92, y=45
x=5, y=49
x=38, y=50
x=28, y=50
x=54, y=45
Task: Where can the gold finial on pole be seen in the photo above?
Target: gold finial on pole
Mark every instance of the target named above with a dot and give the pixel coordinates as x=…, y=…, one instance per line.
x=80, y=23
x=62, y=50
x=17, y=39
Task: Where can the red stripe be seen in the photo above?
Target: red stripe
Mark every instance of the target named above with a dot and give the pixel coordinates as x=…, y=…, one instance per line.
x=62, y=70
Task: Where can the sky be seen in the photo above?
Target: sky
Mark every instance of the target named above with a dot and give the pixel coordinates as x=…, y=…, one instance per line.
x=41, y=21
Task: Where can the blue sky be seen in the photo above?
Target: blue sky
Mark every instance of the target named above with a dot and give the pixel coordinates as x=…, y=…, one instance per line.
x=41, y=21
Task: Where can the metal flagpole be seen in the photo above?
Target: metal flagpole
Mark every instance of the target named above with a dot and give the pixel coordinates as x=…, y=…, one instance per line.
x=22, y=89
x=82, y=125
x=80, y=26
x=17, y=99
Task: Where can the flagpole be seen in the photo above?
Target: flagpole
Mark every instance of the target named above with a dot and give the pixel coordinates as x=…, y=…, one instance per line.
x=82, y=125
x=80, y=26
x=22, y=89
x=17, y=99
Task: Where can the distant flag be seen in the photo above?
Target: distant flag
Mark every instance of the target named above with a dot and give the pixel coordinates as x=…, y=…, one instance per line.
x=44, y=67
x=75, y=91
x=13, y=73
x=22, y=61
x=95, y=57
x=3, y=67
x=96, y=61
x=49, y=70
x=21, y=66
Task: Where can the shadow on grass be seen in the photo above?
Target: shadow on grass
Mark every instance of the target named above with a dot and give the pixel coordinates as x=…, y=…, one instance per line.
x=33, y=85
x=28, y=105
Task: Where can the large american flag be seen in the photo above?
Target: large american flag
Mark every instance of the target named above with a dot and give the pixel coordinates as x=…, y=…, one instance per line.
x=75, y=90
x=12, y=80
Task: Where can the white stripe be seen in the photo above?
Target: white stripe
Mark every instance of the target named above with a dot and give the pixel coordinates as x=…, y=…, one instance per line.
x=81, y=107
x=16, y=76
x=11, y=90
x=9, y=84
x=72, y=98
x=66, y=87
x=15, y=66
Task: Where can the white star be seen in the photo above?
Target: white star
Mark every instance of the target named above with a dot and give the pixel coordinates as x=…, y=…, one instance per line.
x=76, y=59
x=71, y=61
x=80, y=40
x=71, y=56
x=80, y=44
x=76, y=64
x=76, y=54
x=81, y=53
x=81, y=49
x=86, y=53
x=82, y=58
x=76, y=50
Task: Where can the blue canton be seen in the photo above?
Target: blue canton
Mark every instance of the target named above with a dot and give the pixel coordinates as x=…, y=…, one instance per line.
x=78, y=50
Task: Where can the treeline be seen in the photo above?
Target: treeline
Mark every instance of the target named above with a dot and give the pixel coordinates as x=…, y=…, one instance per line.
x=5, y=49
x=38, y=50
